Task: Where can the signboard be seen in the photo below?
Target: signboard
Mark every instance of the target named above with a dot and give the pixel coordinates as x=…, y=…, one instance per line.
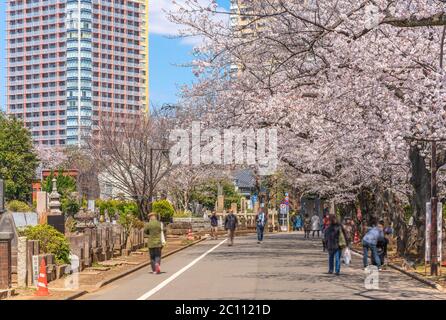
x=36, y=267
x=283, y=217
x=429, y=226
x=427, y=256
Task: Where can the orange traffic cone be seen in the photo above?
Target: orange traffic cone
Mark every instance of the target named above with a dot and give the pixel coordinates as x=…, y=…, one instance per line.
x=189, y=235
x=42, y=283
x=356, y=239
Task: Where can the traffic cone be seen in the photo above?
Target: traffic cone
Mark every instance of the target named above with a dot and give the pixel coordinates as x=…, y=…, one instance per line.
x=189, y=235
x=42, y=283
x=356, y=239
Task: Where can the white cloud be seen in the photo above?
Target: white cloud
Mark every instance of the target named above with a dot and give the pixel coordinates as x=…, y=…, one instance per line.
x=159, y=23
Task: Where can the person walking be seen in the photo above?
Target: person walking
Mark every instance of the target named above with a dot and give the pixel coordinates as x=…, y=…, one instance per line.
x=349, y=232
x=293, y=221
x=335, y=242
x=369, y=242
x=214, y=225
x=156, y=241
x=307, y=226
x=316, y=224
x=231, y=223
x=298, y=222
x=261, y=221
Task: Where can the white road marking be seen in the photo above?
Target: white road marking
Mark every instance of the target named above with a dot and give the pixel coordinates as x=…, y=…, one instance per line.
x=150, y=293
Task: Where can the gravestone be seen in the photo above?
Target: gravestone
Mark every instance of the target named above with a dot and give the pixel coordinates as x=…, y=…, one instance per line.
x=234, y=207
x=58, y=222
x=42, y=202
x=220, y=203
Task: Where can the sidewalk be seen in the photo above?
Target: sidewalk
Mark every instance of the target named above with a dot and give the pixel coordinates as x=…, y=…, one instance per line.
x=103, y=273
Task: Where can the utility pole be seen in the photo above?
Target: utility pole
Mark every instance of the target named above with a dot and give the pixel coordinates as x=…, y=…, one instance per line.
x=434, y=203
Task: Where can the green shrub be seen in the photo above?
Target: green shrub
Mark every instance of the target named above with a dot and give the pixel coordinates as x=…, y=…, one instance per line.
x=116, y=206
x=182, y=214
x=51, y=241
x=65, y=184
x=70, y=206
x=18, y=206
x=164, y=208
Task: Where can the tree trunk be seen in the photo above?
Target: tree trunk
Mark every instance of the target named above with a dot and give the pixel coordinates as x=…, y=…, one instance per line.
x=420, y=181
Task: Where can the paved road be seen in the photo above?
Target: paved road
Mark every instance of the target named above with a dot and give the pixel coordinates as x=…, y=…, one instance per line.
x=285, y=266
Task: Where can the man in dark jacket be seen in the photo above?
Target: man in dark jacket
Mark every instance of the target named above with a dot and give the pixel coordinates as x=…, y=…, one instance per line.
x=334, y=245
x=261, y=221
x=214, y=225
x=231, y=223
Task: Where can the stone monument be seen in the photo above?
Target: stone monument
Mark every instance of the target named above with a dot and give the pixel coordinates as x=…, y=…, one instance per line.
x=55, y=200
x=85, y=220
x=42, y=202
x=220, y=199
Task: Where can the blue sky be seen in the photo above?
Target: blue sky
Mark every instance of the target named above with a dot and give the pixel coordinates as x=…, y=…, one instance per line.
x=166, y=53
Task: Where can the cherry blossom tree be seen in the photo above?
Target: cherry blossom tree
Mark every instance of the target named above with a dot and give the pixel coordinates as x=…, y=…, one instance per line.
x=355, y=89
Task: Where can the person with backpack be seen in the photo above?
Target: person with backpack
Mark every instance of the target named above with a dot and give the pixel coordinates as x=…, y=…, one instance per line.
x=261, y=220
x=335, y=242
x=231, y=223
x=369, y=242
x=381, y=246
x=214, y=225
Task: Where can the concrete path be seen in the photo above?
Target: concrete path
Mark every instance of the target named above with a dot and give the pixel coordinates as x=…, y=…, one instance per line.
x=285, y=266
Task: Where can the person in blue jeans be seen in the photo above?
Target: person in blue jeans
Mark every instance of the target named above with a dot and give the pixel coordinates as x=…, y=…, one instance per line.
x=333, y=246
x=369, y=242
x=261, y=220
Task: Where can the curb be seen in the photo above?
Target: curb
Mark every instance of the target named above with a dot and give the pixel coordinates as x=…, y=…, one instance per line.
x=123, y=274
x=412, y=275
x=76, y=295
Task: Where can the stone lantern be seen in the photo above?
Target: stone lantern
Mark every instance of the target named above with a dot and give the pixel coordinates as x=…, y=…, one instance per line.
x=55, y=200
x=85, y=220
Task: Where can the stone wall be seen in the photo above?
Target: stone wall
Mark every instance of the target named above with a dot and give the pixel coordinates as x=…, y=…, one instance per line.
x=104, y=243
x=5, y=263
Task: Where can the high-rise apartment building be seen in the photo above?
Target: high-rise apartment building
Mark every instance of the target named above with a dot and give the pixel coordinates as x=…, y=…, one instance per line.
x=72, y=63
x=243, y=17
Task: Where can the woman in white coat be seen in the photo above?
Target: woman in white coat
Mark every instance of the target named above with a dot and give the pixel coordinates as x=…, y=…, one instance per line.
x=316, y=224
